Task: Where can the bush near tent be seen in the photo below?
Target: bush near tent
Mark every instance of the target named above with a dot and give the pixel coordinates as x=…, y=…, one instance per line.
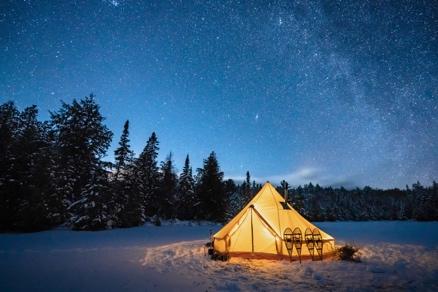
x=348, y=253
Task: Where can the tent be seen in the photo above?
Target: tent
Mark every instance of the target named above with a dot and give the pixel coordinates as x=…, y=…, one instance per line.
x=269, y=227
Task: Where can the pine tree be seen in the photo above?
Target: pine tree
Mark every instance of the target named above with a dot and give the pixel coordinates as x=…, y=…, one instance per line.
x=210, y=190
x=167, y=189
x=187, y=201
x=146, y=178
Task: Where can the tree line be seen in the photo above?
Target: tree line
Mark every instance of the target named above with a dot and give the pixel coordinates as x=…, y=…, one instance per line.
x=53, y=173
x=328, y=204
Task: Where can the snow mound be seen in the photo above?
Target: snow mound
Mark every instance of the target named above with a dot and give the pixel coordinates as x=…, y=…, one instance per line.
x=384, y=266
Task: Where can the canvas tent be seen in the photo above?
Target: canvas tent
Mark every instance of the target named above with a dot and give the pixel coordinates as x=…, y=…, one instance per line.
x=269, y=227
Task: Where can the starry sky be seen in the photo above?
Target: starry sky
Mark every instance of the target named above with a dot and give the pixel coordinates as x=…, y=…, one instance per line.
x=333, y=92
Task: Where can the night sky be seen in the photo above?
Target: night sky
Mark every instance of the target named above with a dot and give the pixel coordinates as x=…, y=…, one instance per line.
x=334, y=92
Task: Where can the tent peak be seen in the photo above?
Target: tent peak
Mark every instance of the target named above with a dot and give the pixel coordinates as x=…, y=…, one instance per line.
x=268, y=183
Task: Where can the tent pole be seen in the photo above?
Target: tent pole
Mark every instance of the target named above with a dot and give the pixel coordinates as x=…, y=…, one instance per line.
x=266, y=222
x=252, y=233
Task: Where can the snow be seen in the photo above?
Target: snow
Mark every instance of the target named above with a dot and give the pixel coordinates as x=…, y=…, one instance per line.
x=395, y=256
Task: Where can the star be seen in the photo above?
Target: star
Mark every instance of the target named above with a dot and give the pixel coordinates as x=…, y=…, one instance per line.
x=345, y=88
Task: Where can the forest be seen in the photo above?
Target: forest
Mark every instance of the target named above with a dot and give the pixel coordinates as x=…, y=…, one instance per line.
x=53, y=173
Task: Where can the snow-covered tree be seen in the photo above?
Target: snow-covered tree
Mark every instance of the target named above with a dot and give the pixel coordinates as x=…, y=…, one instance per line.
x=91, y=211
x=296, y=198
x=53, y=171
x=234, y=198
x=187, y=200
x=123, y=155
x=9, y=124
x=247, y=192
x=167, y=189
x=146, y=178
x=33, y=162
x=210, y=189
x=425, y=202
x=238, y=196
x=125, y=209
x=25, y=164
x=81, y=139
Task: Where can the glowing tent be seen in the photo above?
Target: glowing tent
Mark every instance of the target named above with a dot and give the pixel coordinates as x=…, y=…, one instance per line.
x=268, y=227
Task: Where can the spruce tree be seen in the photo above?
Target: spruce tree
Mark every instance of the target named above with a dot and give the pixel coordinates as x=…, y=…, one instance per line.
x=81, y=139
x=24, y=169
x=131, y=210
x=246, y=189
x=92, y=212
x=297, y=200
x=9, y=124
x=146, y=178
x=187, y=201
x=126, y=205
x=284, y=188
x=167, y=189
x=434, y=193
x=123, y=154
x=210, y=190
x=32, y=165
x=234, y=205
x=238, y=196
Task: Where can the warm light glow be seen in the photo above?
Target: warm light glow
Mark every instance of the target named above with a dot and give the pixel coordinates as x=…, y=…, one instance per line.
x=259, y=227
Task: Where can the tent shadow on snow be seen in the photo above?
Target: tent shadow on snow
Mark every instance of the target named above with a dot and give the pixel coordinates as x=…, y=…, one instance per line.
x=269, y=227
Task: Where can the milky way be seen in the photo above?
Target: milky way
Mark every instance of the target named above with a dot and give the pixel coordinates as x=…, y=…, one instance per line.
x=334, y=92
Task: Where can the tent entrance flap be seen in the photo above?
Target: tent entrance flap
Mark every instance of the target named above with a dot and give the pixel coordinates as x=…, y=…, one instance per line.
x=240, y=237
x=264, y=239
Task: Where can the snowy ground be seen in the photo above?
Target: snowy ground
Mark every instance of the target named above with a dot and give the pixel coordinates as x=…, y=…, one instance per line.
x=396, y=256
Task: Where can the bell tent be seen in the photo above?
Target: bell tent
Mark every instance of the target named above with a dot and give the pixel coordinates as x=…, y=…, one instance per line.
x=269, y=227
